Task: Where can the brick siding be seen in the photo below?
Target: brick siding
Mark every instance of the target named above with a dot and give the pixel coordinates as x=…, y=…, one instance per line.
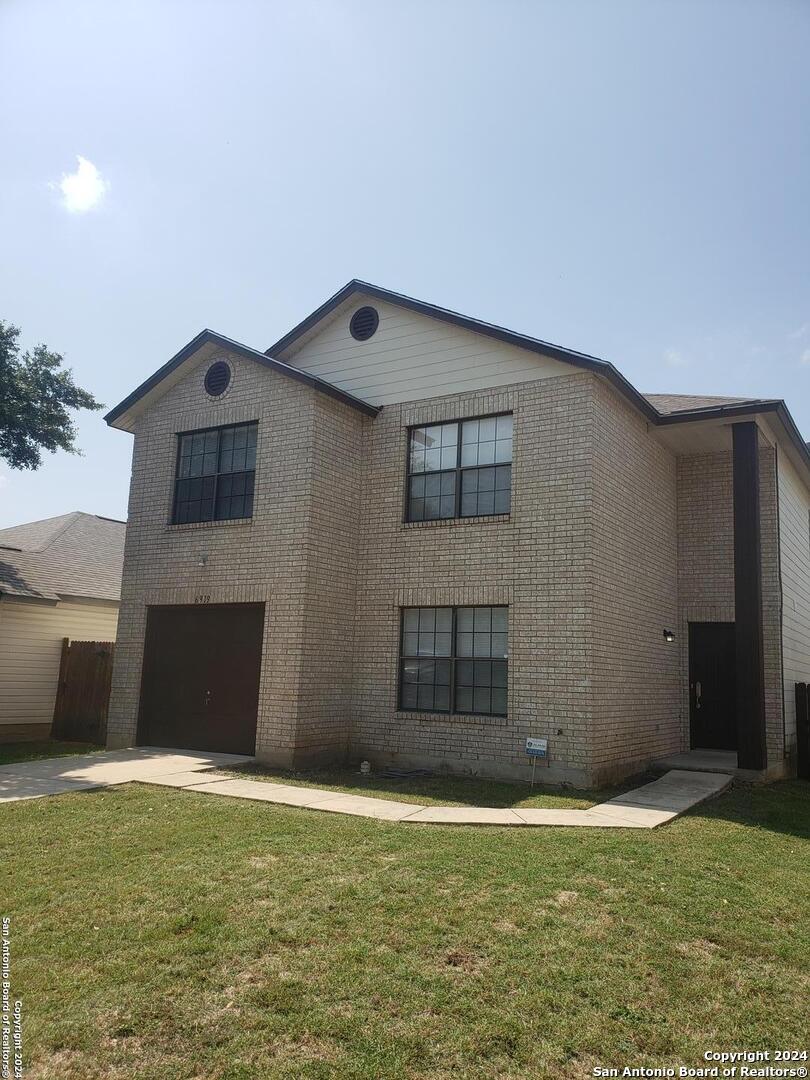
x=606, y=529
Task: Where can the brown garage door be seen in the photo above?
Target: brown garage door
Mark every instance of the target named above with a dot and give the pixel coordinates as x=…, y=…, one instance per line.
x=200, y=684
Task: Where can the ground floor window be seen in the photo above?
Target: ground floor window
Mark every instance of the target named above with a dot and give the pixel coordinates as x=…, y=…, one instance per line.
x=454, y=660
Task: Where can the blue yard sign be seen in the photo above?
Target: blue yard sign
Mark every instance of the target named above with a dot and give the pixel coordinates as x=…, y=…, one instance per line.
x=537, y=747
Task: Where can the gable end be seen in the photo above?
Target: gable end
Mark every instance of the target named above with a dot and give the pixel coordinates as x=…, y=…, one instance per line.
x=117, y=416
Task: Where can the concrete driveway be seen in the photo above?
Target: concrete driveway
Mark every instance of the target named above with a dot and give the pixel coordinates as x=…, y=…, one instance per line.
x=54, y=776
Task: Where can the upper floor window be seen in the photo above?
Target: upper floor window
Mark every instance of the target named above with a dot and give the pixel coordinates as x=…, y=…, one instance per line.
x=215, y=474
x=460, y=469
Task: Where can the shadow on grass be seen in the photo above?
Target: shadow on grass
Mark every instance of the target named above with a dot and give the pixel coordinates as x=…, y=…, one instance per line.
x=780, y=807
x=447, y=790
x=12, y=753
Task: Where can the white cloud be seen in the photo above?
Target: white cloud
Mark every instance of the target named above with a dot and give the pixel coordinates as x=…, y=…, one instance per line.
x=674, y=359
x=800, y=332
x=83, y=189
x=804, y=359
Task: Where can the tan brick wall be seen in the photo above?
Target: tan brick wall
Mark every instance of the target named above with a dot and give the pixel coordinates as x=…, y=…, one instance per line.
x=706, y=571
x=604, y=528
x=331, y=583
x=536, y=561
x=587, y=562
x=272, y=558
x=635, y=592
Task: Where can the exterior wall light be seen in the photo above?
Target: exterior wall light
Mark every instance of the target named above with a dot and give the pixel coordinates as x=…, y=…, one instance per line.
x=669, y=635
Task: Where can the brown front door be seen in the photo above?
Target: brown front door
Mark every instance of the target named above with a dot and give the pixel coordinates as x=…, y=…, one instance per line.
x=712, y=678
x=200, y=683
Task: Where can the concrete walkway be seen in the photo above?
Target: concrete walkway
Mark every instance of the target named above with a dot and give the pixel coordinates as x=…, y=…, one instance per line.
x=645, y=808
x=55, y=776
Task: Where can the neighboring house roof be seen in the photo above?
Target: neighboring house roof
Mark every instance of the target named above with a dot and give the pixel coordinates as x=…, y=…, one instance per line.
x=71, y=555
x=661, y=409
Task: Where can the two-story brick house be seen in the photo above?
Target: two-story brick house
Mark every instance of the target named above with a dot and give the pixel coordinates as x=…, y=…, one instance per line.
x=411, y=536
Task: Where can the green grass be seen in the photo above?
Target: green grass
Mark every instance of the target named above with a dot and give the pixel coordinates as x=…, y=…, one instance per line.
x=44, y=748
x=159, y=933
x=428, y=790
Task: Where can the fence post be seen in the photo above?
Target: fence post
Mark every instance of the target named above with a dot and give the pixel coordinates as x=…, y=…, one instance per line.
x=56, y=725
x=802, y=731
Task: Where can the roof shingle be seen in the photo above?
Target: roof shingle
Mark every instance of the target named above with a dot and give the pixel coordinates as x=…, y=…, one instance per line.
x=671, y=403
x=74, y=554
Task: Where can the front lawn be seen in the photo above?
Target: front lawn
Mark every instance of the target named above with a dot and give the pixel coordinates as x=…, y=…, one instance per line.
x=159, y=933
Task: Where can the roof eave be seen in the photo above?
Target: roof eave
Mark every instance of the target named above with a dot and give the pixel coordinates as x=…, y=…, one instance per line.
x=749, y=408
x=149, y=384
x=211, y=336
x=602, y=368
x=499, y=333
x=710, y=412
x=37, y=597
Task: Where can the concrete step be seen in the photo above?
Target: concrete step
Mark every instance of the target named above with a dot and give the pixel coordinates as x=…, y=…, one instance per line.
x=724, y=762
x=716, y=761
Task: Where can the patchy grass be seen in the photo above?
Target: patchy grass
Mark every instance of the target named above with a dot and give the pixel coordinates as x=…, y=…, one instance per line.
x=43, y=748
x=162, y=933
x=429, y=790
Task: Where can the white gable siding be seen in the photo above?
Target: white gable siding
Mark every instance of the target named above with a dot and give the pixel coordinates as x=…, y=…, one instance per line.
x=413, y=356
x=794, y=539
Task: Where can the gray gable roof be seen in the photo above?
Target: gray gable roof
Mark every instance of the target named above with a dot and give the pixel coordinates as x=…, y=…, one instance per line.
x=476, y=326
x=659, y=409
x=71, y=555
x=206, y=336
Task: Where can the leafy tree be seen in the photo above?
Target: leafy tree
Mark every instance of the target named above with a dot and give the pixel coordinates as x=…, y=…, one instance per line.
x=35, y=396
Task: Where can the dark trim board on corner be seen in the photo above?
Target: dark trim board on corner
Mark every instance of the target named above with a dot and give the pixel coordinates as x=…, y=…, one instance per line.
x=748, y=632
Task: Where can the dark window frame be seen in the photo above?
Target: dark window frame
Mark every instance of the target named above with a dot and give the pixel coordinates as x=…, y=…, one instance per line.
x=457, y=470
x=451, y=660
x=219, y=428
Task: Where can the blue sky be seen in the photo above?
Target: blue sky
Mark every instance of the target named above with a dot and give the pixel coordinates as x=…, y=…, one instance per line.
x=626, y=178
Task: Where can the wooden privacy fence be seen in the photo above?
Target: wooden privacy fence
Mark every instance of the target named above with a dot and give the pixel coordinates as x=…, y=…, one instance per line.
x=83, y=693
x=803, y=730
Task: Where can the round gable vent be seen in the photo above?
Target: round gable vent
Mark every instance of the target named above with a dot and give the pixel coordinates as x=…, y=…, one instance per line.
x=217, y=378
x=363, y=323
